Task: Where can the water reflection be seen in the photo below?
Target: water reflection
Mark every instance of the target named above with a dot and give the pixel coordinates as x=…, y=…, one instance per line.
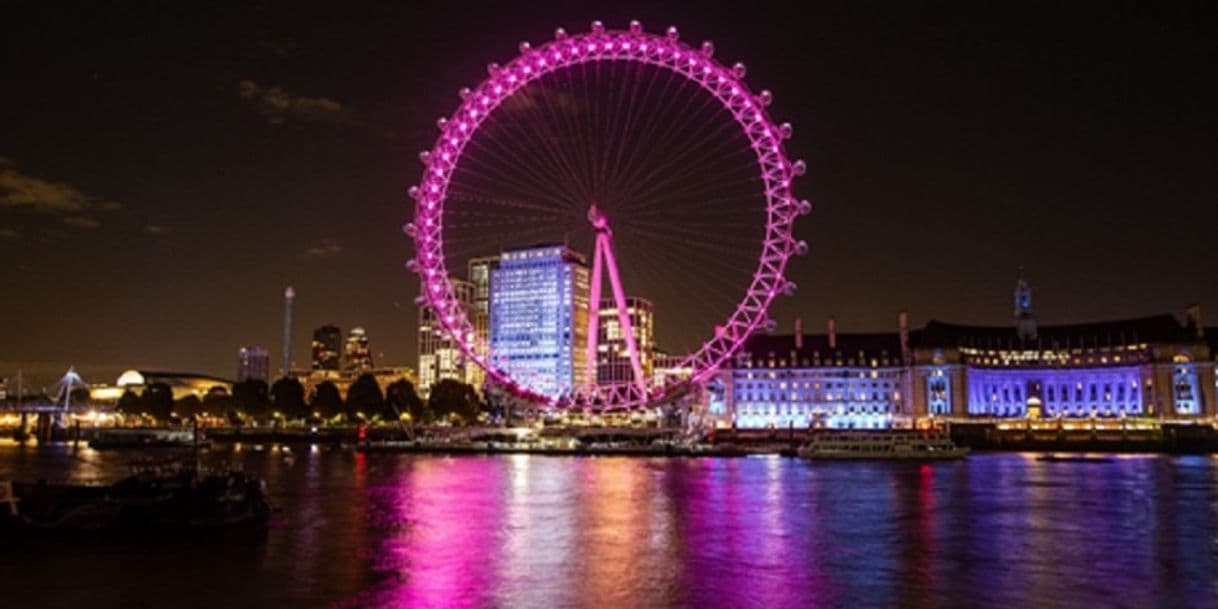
x=421, y=531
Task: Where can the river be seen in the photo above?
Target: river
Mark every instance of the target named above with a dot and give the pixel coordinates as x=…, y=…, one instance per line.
x=385, y=530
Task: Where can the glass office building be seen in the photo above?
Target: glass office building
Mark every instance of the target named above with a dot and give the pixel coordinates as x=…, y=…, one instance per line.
x=538, y=320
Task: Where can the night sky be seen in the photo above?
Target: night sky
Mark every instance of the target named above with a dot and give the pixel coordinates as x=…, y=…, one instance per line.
x=166, y=171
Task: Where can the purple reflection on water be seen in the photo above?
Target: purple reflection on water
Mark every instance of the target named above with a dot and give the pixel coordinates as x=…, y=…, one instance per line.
x=998, y=531
x=517, y=531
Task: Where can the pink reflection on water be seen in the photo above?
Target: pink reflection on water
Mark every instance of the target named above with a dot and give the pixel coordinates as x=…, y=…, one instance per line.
x=526, y=531
x=441, y=554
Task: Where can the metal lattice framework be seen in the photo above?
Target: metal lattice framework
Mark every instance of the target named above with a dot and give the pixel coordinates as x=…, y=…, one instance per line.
x=666, y=51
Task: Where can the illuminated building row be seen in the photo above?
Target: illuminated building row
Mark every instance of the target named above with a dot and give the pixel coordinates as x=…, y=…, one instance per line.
x=1147, y=367
x=330, y=353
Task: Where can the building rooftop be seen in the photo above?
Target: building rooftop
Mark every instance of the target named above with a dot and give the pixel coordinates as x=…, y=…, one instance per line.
x=878, y=344
x=142, y=377
x=1163, y=328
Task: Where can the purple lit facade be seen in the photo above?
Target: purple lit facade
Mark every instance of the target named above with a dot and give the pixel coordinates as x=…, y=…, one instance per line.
x=1147, y=367
x=848, y=381
x=539, y=318
x=1151, y=367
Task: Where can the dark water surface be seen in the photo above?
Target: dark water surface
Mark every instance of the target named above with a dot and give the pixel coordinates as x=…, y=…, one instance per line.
x=1002, y=530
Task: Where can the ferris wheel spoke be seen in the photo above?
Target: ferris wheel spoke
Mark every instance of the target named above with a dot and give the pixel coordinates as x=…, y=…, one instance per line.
x=672, y=144
x=685, y=167
x=629, y=124
x=506, y=157
x=739, y=183
x=486, y=204
x=689, y=241
x=709, y=200
x=731, y=259
x=500, y=223
x=729, y=243
x=661, y=142
x=719, y=200
x=647, y=128
x=479, y=170
x=618, y=124
x=557, y=157
x=476, y=168
x=671, y=282
x=592, y=141
x=521, y=147
x=569, y=119
x=705, y=207
x=494, y=242
x=723, y=272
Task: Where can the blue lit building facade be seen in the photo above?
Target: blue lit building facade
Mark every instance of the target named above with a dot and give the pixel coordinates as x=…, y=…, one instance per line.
x=1145, y=367
x=1150, y=367
x=835, y=381
x=538, y=321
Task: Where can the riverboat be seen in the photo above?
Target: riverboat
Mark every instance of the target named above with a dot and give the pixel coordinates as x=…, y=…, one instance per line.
x=147, y=438
x=881, y=445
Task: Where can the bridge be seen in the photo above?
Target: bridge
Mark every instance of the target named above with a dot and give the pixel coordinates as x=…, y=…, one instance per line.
x=49, y=416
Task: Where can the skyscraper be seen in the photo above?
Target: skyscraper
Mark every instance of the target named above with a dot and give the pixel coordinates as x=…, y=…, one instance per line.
x=439, y=356
x=357, y=354
x=327, y=348
x=289, y=300
x=480, y=312
x=538, y=320
x=253, y=363
x=612, y=357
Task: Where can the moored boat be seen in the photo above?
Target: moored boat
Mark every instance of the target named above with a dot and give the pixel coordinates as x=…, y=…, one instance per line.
x=147, y=438
x=883, y=445
x=154, y=499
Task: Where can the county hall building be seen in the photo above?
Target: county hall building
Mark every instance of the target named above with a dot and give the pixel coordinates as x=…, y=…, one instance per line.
x=1156, y=367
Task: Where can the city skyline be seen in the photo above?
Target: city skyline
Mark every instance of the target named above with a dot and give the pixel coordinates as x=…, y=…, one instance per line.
x=901, y=127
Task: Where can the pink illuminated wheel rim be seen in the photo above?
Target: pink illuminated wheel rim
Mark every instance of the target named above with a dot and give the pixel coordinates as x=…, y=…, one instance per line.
x=698, y=66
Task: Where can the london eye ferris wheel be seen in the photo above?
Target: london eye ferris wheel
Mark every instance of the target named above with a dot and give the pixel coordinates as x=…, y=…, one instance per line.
x=644, y=153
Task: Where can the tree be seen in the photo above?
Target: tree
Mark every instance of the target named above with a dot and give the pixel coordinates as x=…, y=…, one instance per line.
x=326, y=400
x=364, y=396
x=453, y=399
x=288, y=396
x=129, y=403
x=217, y=401
x=401, y=398
x=79, y=396
x=188, y=406
x=157, y=400
x=252, y=396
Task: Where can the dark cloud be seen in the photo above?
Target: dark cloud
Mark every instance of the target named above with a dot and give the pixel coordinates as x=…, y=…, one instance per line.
x=18, y=190
x=326, y=248
x=278, y=103
x=81, y=222
x=22, y=191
